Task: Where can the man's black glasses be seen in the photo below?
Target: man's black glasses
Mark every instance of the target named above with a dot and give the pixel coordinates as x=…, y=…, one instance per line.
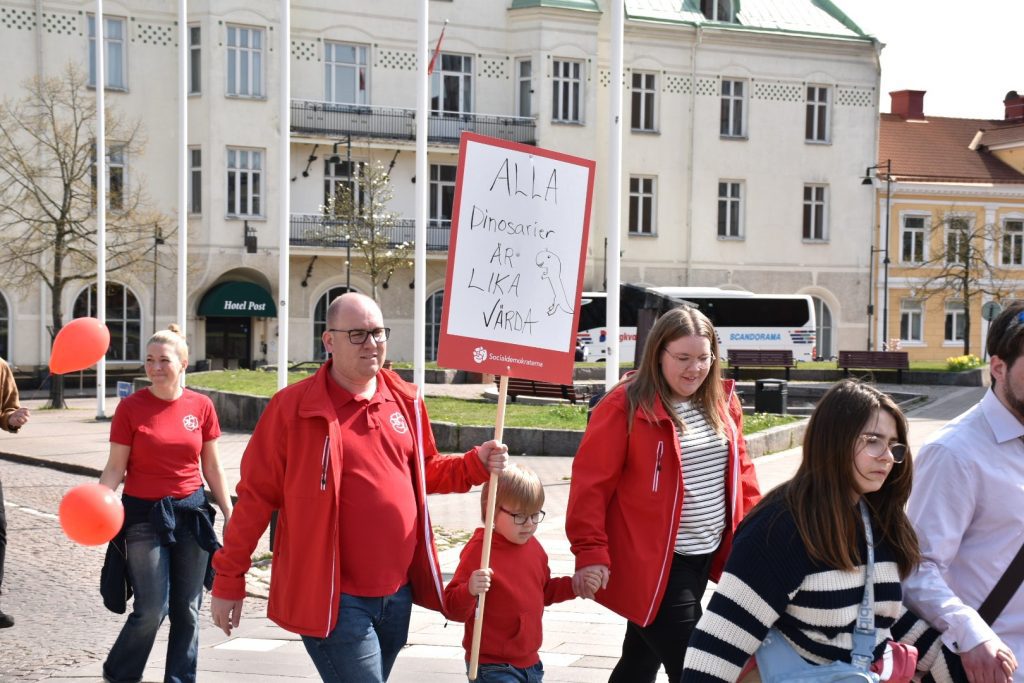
x=379, y=334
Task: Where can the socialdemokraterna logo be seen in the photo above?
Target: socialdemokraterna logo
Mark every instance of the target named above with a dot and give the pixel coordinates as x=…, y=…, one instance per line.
x=479, y=354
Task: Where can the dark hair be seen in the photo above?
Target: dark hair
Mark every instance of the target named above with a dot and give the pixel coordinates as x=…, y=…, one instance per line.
x=1006, y=336
x=818, y=496
x=649, y=383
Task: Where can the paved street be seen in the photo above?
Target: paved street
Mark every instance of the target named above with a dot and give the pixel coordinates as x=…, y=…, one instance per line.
x=63, y=632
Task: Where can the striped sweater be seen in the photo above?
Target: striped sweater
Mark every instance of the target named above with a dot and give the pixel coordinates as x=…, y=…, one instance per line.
x=770, y=580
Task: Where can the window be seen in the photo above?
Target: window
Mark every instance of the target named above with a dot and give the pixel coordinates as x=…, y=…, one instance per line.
x=435, y=306
x=113, y=53
x=195, y=62
x=5, y=329
x=823, y=333
x=567, y=82
x=641, y=205
x=442, y=195
x=245, y=168
x=195, y=180
x=717, y=10
x=956, y=321
x=524, y=88
x=912, y=238
x=345, y=73
x=815, y=197
x=1013, y=242
x=451, y=86
x=124, y=320
x=320, y=320
x=730, y=205
x=344, y=173
x=733, y=97
x=245, y=62
x=956, y=240
x=644, y=89
x=115, y=176
x=910, y=320
x=816, y=125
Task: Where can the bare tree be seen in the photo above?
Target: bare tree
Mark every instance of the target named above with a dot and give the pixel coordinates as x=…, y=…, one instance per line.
x=964, y=268
x=48, y=193
x=358, y=214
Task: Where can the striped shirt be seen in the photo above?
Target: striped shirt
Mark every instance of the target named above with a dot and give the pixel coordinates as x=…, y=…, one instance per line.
x=704, y=457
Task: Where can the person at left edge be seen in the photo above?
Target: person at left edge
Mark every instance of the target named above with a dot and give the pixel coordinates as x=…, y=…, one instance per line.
x=12, y=418
x=163, y=442
x=347, y=457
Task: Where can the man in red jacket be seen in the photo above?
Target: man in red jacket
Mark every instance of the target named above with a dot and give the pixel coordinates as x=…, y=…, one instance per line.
x=347, y=458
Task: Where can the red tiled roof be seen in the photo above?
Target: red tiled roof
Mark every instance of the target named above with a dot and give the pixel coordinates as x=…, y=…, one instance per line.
x=1004, y=135
x=935, y=149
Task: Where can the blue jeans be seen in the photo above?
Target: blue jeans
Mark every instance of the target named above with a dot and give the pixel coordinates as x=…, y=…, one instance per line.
x=506, y=673
x=363, y=646
x=167, y=581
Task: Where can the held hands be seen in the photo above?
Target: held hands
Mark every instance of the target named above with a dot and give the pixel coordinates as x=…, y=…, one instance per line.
x=494, y=456
x=227, y=614
x=990, y=662
x=588, y=580
x=18, y=418
x=480, y=581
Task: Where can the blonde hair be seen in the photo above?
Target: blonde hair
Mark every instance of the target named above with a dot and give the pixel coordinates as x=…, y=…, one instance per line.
x=518, y=487
x=172, y=337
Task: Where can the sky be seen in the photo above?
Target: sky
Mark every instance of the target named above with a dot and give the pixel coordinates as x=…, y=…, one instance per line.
x=966, y=55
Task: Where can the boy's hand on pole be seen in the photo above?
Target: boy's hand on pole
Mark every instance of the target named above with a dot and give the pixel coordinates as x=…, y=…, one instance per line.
x=480, y=581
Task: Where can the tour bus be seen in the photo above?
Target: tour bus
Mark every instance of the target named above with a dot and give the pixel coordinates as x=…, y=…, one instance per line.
x=744, y=320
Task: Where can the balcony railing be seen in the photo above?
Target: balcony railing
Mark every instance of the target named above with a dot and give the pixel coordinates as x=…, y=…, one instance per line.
x=314, y=230
x=395, y=123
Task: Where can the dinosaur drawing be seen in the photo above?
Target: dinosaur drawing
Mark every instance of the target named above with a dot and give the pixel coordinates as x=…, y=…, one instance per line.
x=551, y=270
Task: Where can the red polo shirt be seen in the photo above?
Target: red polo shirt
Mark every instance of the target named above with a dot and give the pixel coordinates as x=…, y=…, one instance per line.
x=377, y=507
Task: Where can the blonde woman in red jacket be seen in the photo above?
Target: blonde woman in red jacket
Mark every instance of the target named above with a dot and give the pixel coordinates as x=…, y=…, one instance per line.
x=659, y=484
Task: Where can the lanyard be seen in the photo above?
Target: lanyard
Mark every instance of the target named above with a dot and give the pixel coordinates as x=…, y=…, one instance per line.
x=864, y=635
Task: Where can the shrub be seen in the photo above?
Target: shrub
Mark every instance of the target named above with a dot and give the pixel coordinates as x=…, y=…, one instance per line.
x=957, y=363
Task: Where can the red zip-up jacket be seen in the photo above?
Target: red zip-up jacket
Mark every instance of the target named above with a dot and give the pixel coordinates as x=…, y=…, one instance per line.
x=293, y=464
x=514, y=608
x=627, y=494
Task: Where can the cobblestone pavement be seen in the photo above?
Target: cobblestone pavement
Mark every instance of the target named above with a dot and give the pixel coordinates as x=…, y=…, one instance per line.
x=51, y=585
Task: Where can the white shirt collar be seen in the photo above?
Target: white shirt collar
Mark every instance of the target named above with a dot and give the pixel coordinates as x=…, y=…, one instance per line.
x=1004, y=424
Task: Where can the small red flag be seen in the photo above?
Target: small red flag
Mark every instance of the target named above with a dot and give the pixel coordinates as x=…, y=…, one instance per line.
x=437, y=50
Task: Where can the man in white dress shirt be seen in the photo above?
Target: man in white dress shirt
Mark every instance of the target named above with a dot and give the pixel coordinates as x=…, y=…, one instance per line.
x=967, y=507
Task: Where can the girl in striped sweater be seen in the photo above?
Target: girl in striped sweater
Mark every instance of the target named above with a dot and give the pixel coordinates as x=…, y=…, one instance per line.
x=798, y=560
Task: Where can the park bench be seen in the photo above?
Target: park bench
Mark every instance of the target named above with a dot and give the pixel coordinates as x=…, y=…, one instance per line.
x=756, y=358
x=875, y=360
x=531, y=387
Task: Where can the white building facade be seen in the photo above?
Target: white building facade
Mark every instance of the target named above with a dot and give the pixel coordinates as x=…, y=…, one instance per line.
x=746, y=135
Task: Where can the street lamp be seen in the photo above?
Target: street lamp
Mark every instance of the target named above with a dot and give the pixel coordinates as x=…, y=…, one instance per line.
x=158, y=239
x=869, y=180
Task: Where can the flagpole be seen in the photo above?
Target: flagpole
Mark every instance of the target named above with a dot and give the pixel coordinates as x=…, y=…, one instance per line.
x=102, y=178
x=422, y=185
x=183, y=166
x=614, y=222
x=284, y=201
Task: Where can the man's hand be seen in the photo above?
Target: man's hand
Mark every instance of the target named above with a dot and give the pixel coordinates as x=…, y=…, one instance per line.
x=227, y=614
x=18, y=418
x=587, y=580
x=480, y=581
x=990, y=662
x=494, y=456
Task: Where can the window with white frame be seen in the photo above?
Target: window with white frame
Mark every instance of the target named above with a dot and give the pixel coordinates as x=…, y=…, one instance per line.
x=911, y=317
x=245, y=61
x=195, y=62
x=912, y=238
x=124, y=319
x=113, y=53
x=815, y=212
x=816, y=125
x=320, y=319
x=567, y=95
x=718, y=10
x=644, y=93
x=442, y=195
x=195, y=180
x=344, y=173
x=245, y=186
x=642, y=203
x=435, y=306
x=733, y=110
x=451, y=85
x=524, y=87
x=957, y=240
x=345, y=74
x=1013, y=242
x=115, y=181
x=956, y=321
x=730, y=209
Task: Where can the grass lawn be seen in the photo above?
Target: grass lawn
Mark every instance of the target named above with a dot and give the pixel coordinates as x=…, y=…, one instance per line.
x=444, y=409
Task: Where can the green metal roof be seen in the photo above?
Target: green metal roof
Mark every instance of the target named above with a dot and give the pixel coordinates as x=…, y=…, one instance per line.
x=792, y=16
x=584, y=5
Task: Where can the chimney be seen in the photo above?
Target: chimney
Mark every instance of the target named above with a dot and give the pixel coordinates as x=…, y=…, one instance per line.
x=1014, y=104
x=908, y=104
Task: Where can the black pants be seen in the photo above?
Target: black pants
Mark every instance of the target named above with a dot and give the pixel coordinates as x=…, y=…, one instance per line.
x=663, y=642
x=3, y=536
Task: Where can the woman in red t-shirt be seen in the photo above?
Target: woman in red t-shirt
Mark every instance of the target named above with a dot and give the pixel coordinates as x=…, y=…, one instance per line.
x=160, y=439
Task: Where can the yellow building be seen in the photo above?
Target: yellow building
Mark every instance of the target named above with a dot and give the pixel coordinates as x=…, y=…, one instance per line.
x=950, y=231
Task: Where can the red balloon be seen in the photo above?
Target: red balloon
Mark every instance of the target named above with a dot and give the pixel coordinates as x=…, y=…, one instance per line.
x=91, y=514
x=79, y=344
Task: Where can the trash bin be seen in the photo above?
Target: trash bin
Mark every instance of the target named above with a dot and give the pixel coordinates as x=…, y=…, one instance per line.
x=771, y=396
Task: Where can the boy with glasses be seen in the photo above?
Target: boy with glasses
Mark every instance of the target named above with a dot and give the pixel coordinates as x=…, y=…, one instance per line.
x=518, y=583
